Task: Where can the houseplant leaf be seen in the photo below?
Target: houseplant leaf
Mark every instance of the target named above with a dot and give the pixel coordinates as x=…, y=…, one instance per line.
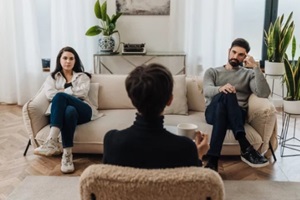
x=285, y=41
x=289, y=80
x=107, y=24
x=94, y=30
x=294, y=46
x=97, y=10
x=114, y=18
x=297, y=80
x=278, y=38
x=104, y=11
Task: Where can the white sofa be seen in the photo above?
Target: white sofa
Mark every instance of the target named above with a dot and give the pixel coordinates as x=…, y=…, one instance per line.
x=109, y=94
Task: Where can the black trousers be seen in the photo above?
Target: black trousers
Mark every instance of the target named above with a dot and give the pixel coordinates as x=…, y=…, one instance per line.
x=224, y=113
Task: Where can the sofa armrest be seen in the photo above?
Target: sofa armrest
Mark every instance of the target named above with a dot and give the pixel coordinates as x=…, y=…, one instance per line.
x=104, y=181
x=262, y=117
x=34, y=114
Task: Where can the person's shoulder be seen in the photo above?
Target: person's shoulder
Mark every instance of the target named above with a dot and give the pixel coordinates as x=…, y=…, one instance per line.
x=215, y=69
x=81, y=75
x=111, y=133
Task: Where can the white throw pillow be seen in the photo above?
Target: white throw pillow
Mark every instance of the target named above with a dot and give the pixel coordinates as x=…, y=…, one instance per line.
x=94, y=93
x=179, y=104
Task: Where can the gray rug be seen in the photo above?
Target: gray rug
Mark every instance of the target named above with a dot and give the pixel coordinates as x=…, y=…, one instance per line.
x=65, y=188
x=47, y=188
x=262, y=190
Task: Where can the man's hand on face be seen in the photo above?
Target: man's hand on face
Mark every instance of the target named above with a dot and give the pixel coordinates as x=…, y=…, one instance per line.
x=250, y=62
x=228, y=88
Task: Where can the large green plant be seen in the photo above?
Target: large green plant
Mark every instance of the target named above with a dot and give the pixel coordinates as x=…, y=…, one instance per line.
x=292, y=79
x=107, y=24
x=278, y=38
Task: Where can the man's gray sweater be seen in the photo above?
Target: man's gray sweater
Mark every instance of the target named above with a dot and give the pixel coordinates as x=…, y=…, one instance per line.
x=246, y=81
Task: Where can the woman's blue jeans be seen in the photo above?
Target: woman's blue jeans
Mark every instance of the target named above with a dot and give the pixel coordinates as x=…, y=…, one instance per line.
x=66, y=112
x=224, y=113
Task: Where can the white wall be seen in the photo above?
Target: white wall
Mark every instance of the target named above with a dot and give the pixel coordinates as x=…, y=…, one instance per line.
x=160, y=33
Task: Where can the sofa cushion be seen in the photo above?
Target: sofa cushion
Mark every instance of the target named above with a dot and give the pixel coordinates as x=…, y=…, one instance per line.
x=196, y=100
x=112, y=91
x=94, y=93
x=179, y=104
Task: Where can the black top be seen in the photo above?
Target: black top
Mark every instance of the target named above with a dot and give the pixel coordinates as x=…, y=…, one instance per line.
x=147, y=144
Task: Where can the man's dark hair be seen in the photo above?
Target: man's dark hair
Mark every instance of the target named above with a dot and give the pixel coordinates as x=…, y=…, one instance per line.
x=150, y=88
x=240, y=42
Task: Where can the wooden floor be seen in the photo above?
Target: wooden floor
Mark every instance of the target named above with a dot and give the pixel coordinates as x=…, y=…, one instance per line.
x=14, y=167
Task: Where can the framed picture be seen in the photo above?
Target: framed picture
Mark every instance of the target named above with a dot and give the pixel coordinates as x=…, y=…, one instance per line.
x=143, y=7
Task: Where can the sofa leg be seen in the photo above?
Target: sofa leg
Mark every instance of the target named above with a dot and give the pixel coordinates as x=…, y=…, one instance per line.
x=28, y=144
x=272, y=151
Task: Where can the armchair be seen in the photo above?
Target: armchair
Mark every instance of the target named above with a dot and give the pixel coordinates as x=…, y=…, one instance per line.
x=111, y=182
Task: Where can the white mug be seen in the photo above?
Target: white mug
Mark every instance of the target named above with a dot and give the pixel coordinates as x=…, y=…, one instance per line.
x=187, y=129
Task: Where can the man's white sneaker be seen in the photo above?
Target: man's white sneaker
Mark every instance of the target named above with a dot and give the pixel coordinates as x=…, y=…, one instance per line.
x=49, y=148
x=67, y=165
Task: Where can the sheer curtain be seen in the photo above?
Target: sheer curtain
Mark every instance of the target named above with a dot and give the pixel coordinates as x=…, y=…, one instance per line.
x=20, y=64
x=69, y=21
x=208, y=33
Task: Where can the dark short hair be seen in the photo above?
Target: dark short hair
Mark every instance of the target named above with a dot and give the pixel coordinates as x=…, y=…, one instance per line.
x=150, y=88
x=240, y=42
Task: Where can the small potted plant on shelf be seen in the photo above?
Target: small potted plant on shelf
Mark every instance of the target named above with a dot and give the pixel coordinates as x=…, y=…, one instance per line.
x=291, y=103
x=278, y=38
x=106, y=28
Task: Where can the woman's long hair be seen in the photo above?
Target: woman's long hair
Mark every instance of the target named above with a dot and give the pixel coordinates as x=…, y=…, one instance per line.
x=78, y=66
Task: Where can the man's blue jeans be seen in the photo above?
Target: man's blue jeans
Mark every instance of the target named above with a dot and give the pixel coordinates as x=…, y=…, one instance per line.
x=224, y=113
x=66, y=112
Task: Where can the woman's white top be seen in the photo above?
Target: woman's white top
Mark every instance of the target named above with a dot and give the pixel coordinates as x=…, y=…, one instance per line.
x=80, y=89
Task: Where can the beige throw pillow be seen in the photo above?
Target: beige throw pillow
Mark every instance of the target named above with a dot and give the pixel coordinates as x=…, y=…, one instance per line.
x=94, y=93
x=195, y=96
x=179, y=104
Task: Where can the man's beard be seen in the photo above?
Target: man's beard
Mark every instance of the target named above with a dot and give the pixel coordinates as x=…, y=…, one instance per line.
x=234, y=62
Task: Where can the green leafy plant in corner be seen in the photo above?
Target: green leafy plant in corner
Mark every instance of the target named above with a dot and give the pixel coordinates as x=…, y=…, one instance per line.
x=292, y=75
x=278, y=38
x=107, y=24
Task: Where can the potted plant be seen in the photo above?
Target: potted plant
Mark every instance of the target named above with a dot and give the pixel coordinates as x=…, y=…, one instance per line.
x=106, y=28
x=291, y=102
x=278, y=38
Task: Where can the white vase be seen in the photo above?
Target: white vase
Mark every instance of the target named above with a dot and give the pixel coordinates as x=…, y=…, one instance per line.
x=291, y=107
x=106, y=43
x=274, y=68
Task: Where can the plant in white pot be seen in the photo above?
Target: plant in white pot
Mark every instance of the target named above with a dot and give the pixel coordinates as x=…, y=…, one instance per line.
x=291, y=103
x=106, y=28
x=278, y=38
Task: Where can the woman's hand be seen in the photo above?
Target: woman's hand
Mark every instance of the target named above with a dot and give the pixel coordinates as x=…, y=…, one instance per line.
x=201, y=141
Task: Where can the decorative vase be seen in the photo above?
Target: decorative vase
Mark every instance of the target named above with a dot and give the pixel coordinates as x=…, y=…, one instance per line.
x=274, y=68
x=106, y=43
x=291, y=107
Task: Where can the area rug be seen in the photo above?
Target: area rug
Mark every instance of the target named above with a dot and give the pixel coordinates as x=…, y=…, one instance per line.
x=63, y=188
x=47, y=188
x=262, y=190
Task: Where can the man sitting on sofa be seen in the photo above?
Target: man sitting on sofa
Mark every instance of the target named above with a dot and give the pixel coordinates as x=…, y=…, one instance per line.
x=147, y=144
x=227, y=90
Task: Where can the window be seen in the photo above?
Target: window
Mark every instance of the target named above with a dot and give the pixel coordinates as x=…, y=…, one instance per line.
x=249, y=24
